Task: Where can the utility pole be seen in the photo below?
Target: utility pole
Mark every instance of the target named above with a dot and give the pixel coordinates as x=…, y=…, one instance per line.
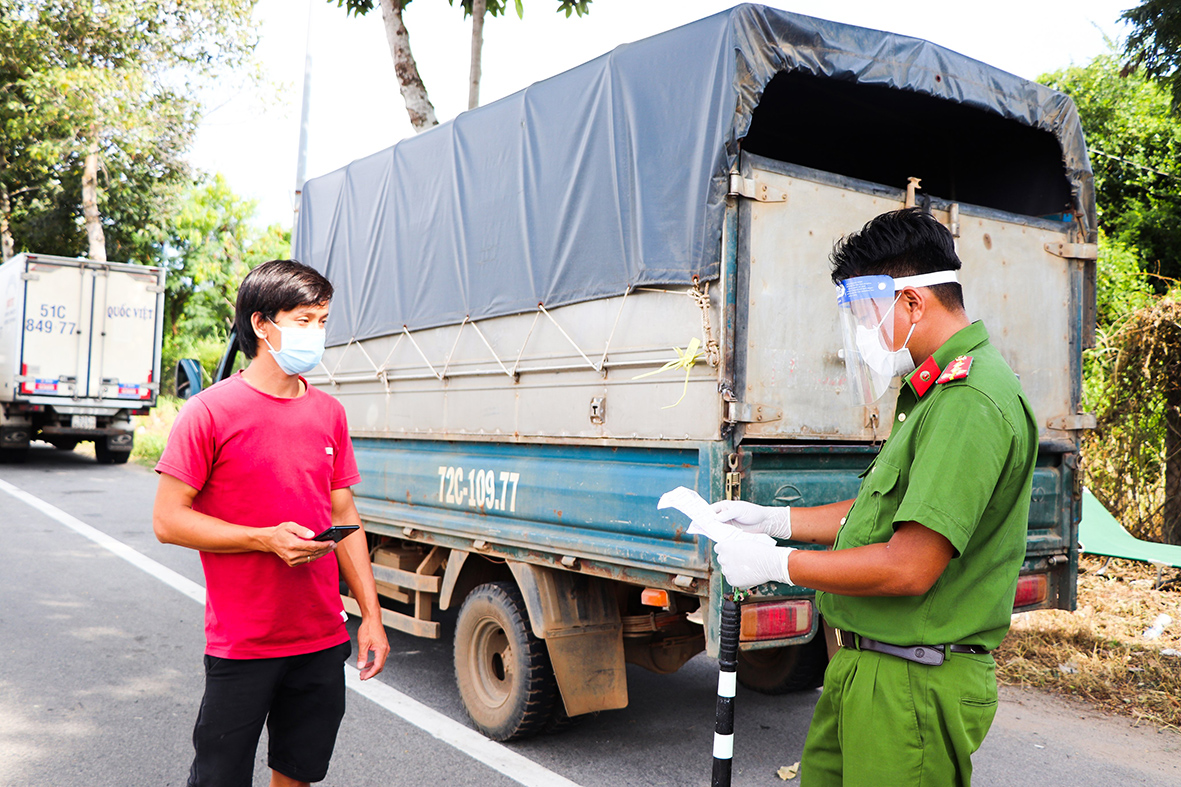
x=301, y=161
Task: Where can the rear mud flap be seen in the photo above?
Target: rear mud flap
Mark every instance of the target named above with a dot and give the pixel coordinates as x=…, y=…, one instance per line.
x=578, y=617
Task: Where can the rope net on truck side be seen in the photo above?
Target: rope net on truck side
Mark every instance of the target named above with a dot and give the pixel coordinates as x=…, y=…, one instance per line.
x=697, y=293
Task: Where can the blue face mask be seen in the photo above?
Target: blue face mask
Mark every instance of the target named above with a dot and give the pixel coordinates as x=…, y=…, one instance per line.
x=302, y=348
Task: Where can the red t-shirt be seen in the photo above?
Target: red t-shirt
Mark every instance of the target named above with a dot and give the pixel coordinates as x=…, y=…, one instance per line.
x=258, y=460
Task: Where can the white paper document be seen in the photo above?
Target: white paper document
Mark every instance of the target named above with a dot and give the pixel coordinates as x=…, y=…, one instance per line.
x=703, y=520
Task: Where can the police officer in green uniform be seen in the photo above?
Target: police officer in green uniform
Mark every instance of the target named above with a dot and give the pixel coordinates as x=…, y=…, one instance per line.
x=921, y=580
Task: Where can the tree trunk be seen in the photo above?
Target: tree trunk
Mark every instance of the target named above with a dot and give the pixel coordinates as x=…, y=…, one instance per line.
x=418, y=106
x=1171, y=527
x=94, y=225
x=473, y=93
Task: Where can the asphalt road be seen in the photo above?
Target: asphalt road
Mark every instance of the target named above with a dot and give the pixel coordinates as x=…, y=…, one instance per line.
x=101, y=676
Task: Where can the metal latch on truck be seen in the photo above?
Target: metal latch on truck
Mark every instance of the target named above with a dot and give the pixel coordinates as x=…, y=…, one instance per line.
x=755, y=189
x=752, y=413
x=1074, y=251
x=1073, y=423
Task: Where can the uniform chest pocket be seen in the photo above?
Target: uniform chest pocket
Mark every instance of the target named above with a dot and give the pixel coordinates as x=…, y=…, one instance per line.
x=872, y=519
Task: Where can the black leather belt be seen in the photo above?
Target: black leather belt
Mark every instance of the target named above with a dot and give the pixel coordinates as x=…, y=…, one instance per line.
x=931, y=655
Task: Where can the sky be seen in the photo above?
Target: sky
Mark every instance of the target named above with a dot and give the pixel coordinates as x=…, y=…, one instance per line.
x=250, y=133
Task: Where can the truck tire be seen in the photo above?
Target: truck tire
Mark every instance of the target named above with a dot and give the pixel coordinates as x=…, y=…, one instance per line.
x=502, y=670
x=105, y=456
x=784, y=670
x=559, y=720
x=14, y=456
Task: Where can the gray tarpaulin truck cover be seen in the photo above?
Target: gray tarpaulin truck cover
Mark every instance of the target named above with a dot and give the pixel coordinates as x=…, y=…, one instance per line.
x=614, y=174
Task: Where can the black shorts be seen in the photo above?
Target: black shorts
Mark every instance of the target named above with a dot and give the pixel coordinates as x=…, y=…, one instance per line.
x=301, y=699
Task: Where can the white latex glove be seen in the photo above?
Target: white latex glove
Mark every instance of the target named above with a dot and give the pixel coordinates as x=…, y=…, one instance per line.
x=749, y=563
x=773, y=520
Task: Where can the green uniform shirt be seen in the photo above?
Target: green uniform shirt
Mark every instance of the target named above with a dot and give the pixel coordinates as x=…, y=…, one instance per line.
x=959, y=461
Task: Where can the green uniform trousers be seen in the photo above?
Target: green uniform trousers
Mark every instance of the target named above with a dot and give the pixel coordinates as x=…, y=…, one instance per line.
x=884, y=721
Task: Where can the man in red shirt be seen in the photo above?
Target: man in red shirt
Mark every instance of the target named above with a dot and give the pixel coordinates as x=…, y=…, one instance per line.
x=254, y=467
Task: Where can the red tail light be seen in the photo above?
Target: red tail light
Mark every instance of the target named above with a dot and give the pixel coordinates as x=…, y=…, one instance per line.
x=775, y=620
x=36, y=386
x=1031, y=590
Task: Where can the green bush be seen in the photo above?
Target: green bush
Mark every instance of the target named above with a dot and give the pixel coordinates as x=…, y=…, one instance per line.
x=151, y=430
x=1131, y=384
x=207, y=350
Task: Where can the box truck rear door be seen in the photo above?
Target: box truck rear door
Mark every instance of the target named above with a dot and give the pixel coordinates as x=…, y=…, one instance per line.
x=1026, y=293
x=55, y=330
x=123, y=346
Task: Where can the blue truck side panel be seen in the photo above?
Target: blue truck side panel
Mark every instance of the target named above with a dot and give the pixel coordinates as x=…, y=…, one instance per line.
x=597, y=502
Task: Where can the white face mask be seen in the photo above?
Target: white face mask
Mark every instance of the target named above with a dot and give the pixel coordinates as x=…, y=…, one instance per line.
x=878, y=357
x=302, y=348
x=870, y=358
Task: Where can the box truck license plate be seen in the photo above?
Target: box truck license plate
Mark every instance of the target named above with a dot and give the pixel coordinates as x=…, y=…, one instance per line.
x=83, y=422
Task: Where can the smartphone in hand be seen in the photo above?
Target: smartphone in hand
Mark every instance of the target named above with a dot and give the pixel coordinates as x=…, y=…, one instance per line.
x=335, y=533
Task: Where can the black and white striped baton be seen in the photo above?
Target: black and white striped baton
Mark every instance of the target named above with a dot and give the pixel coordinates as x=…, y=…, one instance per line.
x=727, y=682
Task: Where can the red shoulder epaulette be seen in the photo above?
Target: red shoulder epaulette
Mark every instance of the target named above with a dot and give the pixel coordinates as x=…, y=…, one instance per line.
x=924, y=377
x=956, y=370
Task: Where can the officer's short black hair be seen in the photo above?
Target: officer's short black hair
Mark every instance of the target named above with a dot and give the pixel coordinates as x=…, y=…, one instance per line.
x=273, y=287
x=900, y=243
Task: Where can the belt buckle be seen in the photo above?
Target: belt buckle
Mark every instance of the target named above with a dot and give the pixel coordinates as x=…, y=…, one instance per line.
x=840, y=640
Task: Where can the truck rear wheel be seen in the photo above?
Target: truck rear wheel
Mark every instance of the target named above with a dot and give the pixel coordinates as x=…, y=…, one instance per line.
x=784, y=670
x=105, y=456
x=14, y=456
x=502, y=670
x=559, y=720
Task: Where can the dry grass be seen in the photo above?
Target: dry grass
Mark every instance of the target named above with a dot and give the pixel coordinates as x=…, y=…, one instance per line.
x=1098, y=653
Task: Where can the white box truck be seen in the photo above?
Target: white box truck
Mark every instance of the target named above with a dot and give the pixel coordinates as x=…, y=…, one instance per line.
x=79, y=353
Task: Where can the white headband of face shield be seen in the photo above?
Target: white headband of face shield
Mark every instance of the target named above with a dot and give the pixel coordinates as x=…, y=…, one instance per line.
x=926, y=280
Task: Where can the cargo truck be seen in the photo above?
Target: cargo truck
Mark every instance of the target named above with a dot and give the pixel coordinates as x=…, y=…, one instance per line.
x=555, y=308
x=79, y=353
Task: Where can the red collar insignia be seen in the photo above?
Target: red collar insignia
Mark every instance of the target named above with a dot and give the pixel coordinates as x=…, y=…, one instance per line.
x=924, y=376
x=956, y=370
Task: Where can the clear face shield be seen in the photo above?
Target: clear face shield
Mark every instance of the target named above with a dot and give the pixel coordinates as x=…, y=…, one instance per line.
x=866, y=308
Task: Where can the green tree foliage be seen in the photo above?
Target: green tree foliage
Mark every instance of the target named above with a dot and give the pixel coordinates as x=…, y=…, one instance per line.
x=212, y=244
x=1132, y=461
x=105, y=88
x=26, y=157
x=495, y=7
x=498, y=7
x=1135, y=146
x=1126, y=384
x=1155, y=42
x=1121, y=289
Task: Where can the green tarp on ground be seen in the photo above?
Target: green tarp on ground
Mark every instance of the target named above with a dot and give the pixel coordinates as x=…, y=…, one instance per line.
x=1099, y=533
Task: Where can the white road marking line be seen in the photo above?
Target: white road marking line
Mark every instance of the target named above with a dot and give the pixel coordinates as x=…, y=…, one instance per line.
x=500, y=758
x=496, y=756
x=137, y=559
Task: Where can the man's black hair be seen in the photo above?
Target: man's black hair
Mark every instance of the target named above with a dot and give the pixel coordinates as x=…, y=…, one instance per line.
x=273, y=287
x=901, y=243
